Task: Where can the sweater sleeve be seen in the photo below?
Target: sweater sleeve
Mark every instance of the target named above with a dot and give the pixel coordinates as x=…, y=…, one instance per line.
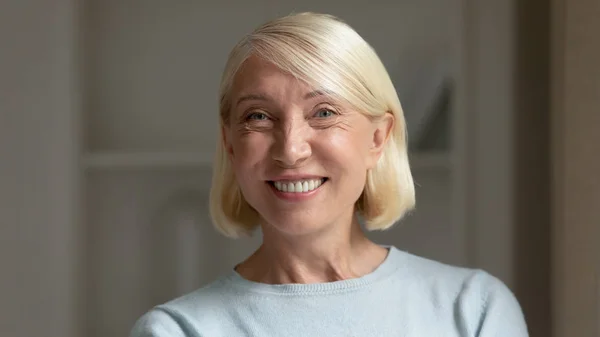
x=500, y=314
x=157, y=323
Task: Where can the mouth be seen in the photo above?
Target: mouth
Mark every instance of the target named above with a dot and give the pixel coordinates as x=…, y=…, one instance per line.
x=297, y=186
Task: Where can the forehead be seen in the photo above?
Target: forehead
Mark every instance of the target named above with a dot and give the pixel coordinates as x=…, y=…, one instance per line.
x=256, y=75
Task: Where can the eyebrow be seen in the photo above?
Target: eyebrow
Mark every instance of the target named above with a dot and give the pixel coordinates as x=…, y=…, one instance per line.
x=261, y=97
x=251, y=97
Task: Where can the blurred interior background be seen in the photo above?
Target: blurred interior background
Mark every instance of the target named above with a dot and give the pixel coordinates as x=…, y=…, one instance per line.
x=108, y=118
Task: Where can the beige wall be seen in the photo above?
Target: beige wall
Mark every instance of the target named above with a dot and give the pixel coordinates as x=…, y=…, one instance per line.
x=38, y=251
x=576, y=163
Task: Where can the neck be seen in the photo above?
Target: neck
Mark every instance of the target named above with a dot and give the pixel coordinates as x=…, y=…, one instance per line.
x=339, y=254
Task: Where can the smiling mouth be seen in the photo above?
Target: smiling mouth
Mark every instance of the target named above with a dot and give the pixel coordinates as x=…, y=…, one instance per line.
x=298, y=186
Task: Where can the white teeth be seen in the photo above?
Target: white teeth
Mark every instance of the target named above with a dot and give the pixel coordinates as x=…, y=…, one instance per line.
x=298, y=186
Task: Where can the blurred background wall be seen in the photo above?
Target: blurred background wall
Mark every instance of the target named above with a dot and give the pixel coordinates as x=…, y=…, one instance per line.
x=575, y=168
x=40, y=237
x=107, y=131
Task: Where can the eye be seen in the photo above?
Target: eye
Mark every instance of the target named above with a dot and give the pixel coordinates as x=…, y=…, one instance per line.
x=257, y=116
x=324, y=113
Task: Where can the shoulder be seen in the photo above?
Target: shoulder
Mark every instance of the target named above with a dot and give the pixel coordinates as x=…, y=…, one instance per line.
x=459, y=280
x=184, y=316
x=157, y=323
x=426, y=273
x=481, y=303
x=490, y=308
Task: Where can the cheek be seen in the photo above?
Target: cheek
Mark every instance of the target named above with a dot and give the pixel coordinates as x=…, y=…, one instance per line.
x=249, y=152
x=350, y=148
x=249, y=149
x=343, y=155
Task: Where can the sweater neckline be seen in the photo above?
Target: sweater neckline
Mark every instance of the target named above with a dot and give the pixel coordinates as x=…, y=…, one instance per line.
x=388, y=266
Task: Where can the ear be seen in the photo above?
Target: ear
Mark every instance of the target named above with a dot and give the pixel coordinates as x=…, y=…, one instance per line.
x=382, y=131
x=225, y=134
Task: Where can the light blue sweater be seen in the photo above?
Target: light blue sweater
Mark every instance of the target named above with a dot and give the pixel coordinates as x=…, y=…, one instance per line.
x=405, y=296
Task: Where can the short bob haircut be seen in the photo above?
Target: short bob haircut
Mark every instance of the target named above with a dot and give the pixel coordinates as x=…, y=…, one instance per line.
x=327, y=54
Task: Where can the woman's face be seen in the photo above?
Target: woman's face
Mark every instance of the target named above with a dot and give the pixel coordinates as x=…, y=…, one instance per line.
x=300, y=158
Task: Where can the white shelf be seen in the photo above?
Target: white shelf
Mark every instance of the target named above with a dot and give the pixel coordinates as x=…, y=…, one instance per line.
x=193, y=160
x=145, y=160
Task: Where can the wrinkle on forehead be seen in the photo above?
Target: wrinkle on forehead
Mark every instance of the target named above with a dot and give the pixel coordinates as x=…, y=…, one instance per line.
x=258, y=76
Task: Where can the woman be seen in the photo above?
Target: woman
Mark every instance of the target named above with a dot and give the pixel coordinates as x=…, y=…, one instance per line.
x=312, y=138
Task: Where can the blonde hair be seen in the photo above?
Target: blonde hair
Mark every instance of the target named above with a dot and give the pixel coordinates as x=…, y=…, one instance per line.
x=325, y=52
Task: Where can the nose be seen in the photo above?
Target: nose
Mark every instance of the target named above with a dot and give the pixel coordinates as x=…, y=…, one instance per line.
x=291, y=147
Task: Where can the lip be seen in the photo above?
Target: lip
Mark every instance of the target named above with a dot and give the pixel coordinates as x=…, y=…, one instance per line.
x=296, y=196
x=295, y=177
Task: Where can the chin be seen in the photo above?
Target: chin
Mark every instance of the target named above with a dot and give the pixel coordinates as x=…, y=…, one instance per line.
x=302, y=224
